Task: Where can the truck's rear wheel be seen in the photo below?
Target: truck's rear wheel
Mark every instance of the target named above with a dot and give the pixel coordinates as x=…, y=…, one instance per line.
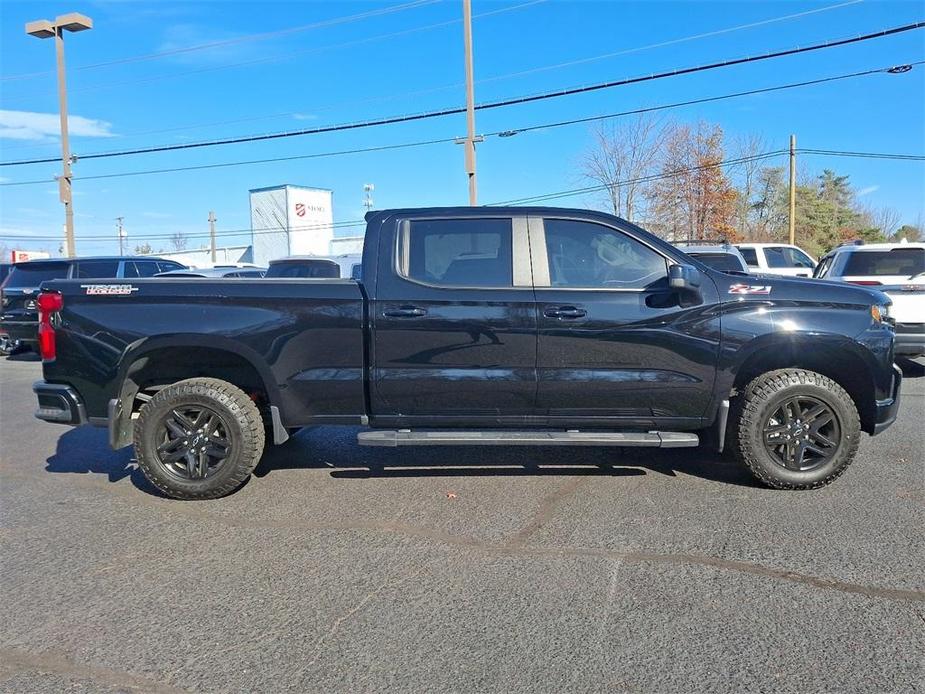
x=795, y=429
x=199, y=438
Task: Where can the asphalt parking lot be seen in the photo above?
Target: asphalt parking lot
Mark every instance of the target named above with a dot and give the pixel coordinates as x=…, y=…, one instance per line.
x=340, y=568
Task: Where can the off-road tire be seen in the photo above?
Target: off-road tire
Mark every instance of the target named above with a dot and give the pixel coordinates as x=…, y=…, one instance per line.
x=758, y=400
x=245, y=431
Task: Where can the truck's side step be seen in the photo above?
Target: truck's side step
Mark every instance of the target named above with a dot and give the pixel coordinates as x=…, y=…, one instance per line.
x=407, y=437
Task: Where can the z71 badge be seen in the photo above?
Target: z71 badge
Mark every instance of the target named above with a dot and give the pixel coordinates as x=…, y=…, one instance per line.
x=749, y=289
x=108, y=289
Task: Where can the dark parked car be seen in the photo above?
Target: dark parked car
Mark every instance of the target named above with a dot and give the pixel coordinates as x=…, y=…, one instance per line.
x=476, y=325
x=718, y=255
x=18, y=314
x=303, y=267
x=215, y=272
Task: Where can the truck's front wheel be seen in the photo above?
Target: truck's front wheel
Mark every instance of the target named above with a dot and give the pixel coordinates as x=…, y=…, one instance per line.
x=795, y=429
x=199, y=438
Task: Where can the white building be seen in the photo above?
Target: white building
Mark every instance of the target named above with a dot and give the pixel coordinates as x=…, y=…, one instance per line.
x=202, y=257
x=291, y=220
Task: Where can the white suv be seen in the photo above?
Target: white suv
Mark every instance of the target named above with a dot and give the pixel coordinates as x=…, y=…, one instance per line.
x=777, y=259
x=896, y=269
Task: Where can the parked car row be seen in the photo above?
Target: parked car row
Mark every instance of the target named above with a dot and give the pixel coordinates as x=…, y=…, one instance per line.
x=896, y=269
x=20, y=282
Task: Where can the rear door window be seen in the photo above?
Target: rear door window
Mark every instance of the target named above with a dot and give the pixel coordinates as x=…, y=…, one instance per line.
x=164, y=266
x=140, y=268
x=458, y=252
x=97, y=269
x=33, y=274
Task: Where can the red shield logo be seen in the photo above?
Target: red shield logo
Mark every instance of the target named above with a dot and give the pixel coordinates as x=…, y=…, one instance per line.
x=299, y=209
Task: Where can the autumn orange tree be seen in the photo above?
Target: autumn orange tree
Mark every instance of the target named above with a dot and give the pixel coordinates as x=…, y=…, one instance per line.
x=695, y=199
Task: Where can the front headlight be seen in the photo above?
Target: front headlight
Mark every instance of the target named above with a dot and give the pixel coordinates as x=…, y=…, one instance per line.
x=881, y=313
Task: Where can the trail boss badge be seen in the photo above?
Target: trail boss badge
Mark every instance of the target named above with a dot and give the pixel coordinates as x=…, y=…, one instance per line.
x=749, y=289
x=107, y=289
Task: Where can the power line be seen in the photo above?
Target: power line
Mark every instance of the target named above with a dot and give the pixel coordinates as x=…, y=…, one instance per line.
x=258, y=231
x=864, y=155
x=500, y=133
x=432, y=90
x=680, y=172
x=642, y=179
x=490, y=105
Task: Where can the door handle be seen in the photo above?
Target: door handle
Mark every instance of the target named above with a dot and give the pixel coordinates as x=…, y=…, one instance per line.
x=565, y=312
x=404, y=312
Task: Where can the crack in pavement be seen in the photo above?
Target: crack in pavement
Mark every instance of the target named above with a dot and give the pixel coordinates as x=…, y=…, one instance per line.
x=15, y=661
x=544, y=513
x=375, y=593
x=515, y=545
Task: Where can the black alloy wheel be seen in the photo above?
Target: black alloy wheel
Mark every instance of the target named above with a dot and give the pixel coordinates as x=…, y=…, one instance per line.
x=194, y=442
x=802, y=433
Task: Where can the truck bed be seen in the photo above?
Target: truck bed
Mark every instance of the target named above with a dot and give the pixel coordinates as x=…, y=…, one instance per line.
x=305, y=338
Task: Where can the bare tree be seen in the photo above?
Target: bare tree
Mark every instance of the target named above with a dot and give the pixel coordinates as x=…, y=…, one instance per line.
x=622, y=155
x=747, y=175
x=179, y=241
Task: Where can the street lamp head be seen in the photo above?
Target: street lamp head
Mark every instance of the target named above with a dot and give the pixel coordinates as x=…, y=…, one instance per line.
x=42, y=29
x=74, y=21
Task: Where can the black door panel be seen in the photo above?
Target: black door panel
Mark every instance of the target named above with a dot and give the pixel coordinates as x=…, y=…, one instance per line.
x=613, y=341
x=465, y=350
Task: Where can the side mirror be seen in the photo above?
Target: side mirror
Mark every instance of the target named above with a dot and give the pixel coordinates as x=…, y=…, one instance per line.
x=685, y=279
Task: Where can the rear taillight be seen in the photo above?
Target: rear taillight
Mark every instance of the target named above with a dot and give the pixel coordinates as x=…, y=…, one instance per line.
x=48, y=304
x=865, y=283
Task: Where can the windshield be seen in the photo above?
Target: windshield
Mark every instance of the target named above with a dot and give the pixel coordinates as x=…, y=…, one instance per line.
x=32, y=274
x=724, y=262
x=308, y=269
x=899, y=261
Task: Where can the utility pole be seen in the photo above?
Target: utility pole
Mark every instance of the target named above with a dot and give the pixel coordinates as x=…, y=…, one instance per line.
x=793, y=189
x=212, y=221
x=368, y=188
x=44, y=29
x=471, y=137
x=121, y=233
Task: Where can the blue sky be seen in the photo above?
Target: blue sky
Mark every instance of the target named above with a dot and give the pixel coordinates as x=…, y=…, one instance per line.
x=335, y=67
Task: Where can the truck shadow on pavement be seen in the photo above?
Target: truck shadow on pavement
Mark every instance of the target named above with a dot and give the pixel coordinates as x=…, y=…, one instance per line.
x=85, y=450
x=338, y=451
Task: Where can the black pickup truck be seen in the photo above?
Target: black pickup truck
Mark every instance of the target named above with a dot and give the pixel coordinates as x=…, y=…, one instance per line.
x=486, y=326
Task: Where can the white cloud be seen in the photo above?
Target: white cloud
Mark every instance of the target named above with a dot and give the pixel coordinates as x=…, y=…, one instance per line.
x=867, y=191
x=29, y=125
x=304, y=116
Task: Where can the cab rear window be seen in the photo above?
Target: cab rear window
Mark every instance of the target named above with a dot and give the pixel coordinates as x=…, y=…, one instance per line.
x=900, y=261
x=32, y=274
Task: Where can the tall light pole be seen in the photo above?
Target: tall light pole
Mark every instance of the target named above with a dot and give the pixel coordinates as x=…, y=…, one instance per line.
x=45, y=29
